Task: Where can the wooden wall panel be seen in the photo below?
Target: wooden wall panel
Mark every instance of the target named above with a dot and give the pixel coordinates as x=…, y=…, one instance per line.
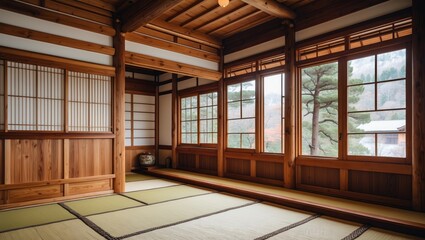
x=36, y=193
x=131, y=160
x=238, y=166
x=35, y=160
x=186, y=161
x=383, y=184
x=1, y=164
x=90, y=157
x=90, y=187
x=208, y=163
x=2, y=197
x=320, y=177
x=270, y=170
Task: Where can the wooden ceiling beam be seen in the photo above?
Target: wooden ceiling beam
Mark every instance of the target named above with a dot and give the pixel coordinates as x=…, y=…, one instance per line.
x=223, y=17
x=235, y=22
x=142, y=12
x=202, y=14
x=185, y=33
x=174, y=17
x=272, y=8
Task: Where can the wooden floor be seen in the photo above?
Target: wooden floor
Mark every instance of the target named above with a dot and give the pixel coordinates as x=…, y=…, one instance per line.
x=372, y=214
x=157, y=208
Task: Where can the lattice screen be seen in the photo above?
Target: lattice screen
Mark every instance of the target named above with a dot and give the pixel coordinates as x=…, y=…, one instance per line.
x=139, y=120
x=89, y=102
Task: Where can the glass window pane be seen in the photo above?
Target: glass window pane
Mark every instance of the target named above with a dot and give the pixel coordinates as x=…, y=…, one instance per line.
x=361, y=70
x=361, y=144
x=234, y=92
x=248, y=141
x=233, y=110
x=248, y=108
x=234, y=141
x=248, y=90
x=361, y=98
x=392, y=145
x=241, y=126
x=375, y=122
x=391, y=65
x=320, y=110
x=392, y=95
x=273, y=113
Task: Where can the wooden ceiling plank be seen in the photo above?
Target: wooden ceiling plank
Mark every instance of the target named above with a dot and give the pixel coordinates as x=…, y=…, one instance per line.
x=142, y=12
x=235, y=22
x=203, y=13
x=87, y=7
x=99, y=4
x=273, y=8
x=248, y=26
x=195, y=5
x=228, y=17
x=186, y=33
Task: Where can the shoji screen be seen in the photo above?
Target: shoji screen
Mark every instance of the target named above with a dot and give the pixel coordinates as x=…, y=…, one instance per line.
x=35, y=97
x=90, y=102
x=140, y=120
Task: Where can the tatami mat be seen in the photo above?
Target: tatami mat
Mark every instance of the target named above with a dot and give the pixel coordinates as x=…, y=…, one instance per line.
x=133, y=220
x=102, y=204
x=167, y=193
x=243, y=223
x=323, y=228
x=148, y=184
x=31, y=216
x=134, y=177
x=66, y=230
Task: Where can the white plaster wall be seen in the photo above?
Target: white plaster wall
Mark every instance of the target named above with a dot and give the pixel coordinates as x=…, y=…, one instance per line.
x=165, y=119
x=169, y=55
x=165, y=87
x=165, y=77
x=202, y=81
x=262, y=47
x=186, y=84
x=54, y=50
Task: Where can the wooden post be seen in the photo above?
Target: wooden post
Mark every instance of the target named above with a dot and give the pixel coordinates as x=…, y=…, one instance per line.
x=157, y=120
x=174, y=120
x=418, y=154
x=119, y=112
x=220, y=120
x=289, y=160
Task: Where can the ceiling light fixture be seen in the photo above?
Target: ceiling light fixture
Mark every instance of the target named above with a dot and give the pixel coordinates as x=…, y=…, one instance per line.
x=223, y=3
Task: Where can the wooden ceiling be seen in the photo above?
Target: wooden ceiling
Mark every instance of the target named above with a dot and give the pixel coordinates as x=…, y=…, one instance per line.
x=207, y=17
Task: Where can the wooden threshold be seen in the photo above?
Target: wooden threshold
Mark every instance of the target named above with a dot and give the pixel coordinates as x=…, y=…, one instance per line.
x=401, y=220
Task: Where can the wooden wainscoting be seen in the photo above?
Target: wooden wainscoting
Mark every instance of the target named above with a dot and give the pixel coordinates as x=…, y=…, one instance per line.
x=43, y=170
x=255, y=167
x=383, y=183
x=195, y=159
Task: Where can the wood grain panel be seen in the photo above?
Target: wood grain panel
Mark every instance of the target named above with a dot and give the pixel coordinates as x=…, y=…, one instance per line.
x=270, y=170
x=90, y=157
x=208, y=163
x=1, y=163
x=35, y=160
x=89, y=187
x=187, y=161
x=29, y=194
x=320, y=177
x=238, y=166
x=382, y=184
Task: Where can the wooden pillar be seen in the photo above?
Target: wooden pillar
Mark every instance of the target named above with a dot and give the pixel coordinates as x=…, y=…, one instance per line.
x=289, y=160
x=220, y=120
x=418, y=154
x=174, y=120
x=157, y=120
x=119, y=109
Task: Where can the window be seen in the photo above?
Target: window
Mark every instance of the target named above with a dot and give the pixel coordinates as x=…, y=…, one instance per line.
x=319, y=89
x=35, y=98
x=204, y=106
x=208, y=117
x=376, y=98
x=139, y=120
x=241, y=115
x=89, y=102
x=274, y=102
